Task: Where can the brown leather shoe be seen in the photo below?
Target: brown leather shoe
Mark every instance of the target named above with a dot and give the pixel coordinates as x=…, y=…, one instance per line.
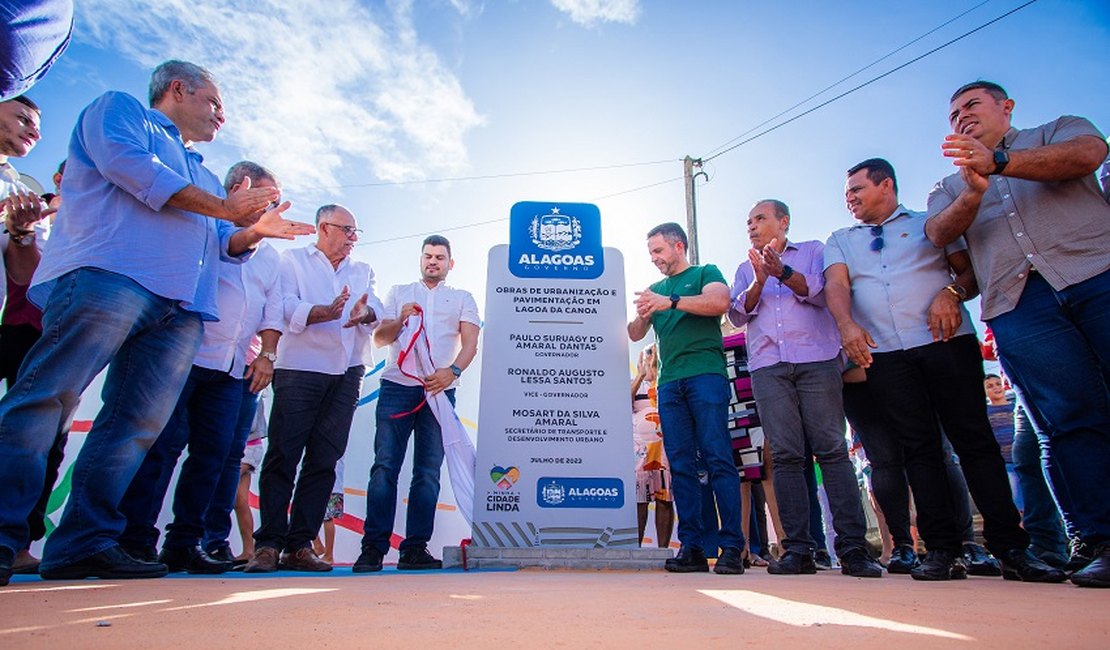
x=25, y=563
x=305, y=559
x=265, y=560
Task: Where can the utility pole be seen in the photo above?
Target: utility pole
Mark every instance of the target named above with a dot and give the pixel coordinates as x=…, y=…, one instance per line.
x=688, y=165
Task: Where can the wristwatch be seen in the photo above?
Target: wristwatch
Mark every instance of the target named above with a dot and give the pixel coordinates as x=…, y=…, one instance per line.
x=266, y=354
x=1001, y=159
x=786, y=273
x=674, y=300
x=457, y=370
x=957, y=290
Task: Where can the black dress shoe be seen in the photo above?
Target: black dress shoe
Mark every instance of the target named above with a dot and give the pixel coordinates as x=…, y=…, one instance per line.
x=903, y=559
x=141, y=553
x=1020, y=564
x=858, y=564
x=7, y=557
x=731, y=562
x=690, y=559
x=940, y=565
x=793, y=563
x=112, y=563
x=191, y=559
x=223, y=554
x=1097, y=571
x=369, y=561
x=418, y=559
x=822, y=560
x=980, y=562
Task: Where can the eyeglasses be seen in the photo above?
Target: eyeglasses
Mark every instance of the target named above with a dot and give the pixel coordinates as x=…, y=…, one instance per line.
x=350, y=231
x=877, y=242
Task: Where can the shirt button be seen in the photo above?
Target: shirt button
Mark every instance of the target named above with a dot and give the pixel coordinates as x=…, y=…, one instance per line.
x=1021, y=275
x=1020, y=234
x=1029, y=255
x=1011, y=214
x=1005, y=196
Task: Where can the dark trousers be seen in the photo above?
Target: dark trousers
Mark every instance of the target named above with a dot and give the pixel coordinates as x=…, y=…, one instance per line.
x=15, y=341
x=217, y=519
x=888, y=474
x=311, y=418
x=944, y=380
x=204, y=420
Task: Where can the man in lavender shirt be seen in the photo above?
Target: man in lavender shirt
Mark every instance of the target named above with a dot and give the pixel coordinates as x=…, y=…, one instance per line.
x=794, y=358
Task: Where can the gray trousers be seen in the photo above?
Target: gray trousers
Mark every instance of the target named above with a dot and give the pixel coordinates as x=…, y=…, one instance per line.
x=801, y=402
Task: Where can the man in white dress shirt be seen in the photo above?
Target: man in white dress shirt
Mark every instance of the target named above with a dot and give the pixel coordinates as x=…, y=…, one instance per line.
x=449, y=319
x=321, y=360
x=208, y=409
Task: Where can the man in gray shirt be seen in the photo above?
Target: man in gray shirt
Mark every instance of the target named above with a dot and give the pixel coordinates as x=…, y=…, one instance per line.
x=1032, y=212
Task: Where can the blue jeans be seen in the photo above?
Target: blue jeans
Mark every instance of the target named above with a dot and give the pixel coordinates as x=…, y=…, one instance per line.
x=1041, y=517
x=311, y=419
x=217, y=519
x=1055, y=348
x=693, y=414
x=93, y=319
x=391, y=439
x=204, y=420
x=801, y=403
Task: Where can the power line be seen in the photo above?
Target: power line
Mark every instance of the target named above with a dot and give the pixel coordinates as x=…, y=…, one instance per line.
x=722, y=151
x=868, y=82
x=432, y=232
x=482, y=177
x=490, y=221
x=846, y=78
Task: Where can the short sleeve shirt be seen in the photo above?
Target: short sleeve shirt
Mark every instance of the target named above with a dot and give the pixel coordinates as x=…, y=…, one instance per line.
x=1061, y=229
x=689, y=345
x=893, y=287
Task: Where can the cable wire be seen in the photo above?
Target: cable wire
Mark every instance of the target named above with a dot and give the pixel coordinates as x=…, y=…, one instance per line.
x=868, y=82
x=846, y=78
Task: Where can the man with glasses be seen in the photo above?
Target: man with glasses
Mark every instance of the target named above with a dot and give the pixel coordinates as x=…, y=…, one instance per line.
x=901, y=318
x=321, y=359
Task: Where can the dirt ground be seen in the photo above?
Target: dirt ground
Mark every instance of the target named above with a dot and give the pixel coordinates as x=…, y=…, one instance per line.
x=549, y=609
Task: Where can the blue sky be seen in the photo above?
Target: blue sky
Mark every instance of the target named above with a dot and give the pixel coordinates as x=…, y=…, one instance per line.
x=373, y=105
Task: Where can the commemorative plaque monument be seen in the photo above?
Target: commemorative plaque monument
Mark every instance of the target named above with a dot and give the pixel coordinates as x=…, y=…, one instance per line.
x=555, y=457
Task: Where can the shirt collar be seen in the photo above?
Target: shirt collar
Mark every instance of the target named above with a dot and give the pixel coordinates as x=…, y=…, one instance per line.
x=9, y=172
x=322, y=255
x=898, y=211
x=1008, y=139
x=168, y=124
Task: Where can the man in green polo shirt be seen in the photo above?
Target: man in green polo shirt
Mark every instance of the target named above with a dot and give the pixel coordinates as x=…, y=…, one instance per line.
x=685, y=309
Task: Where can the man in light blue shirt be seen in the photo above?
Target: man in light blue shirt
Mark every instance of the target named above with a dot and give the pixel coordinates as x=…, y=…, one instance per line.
x=901, y=318
x=125, y=282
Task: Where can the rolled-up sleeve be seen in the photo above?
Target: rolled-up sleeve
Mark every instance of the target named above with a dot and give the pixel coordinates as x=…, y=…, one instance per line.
x=373, y=302
x=814, y=273
x=739, y=293
x=113, y=136
x=294, y=309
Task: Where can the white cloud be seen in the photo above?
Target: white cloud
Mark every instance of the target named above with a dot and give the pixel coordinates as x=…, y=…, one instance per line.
x=309, y=87
x=588, y=12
